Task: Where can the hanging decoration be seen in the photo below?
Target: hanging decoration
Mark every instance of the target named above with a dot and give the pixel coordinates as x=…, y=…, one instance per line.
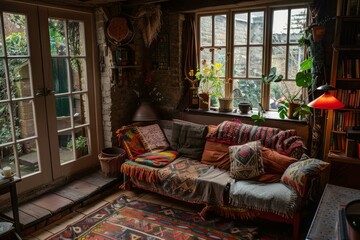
x=149, y=22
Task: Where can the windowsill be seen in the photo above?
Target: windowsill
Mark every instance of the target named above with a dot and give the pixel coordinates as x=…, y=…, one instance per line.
x=269, y=115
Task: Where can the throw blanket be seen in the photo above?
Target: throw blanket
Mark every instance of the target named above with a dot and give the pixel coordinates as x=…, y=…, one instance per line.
x=159, y=159
x=140, y=171
x=236, y=133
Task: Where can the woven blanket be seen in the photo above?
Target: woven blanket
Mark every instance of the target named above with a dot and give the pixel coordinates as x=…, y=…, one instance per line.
x=159, y=159
x=140, y=171
x=189, y=180
x=236, y=133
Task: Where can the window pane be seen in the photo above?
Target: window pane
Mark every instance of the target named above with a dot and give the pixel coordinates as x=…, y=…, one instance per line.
x=280, y=26
x=220, y=57
x=24, y=119
x=275, y=95
x=5, y=124
x=57, y=37
x=60, y=75
x=76, y=38
x=205, y=55
x=1, y=40
x=15, y=34
x=240, y=61
x=296, y=55
x=220, y=30
x=19, y=77
x=297, y=24
x=250, y=90
x=206, y=31
x=240, y=28
x=278, y=59
x=80, y=109
x=3, y=83
x=257, y=28
x=255, y=61
x=78, y=74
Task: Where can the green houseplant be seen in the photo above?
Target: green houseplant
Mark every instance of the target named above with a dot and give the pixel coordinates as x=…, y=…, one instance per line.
x=80, y=146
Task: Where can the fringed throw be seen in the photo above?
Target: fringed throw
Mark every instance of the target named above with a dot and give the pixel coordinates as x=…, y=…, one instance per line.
x=139, y=171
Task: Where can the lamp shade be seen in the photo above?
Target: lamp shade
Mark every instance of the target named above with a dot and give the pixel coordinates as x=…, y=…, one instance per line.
x=326, y=101
x=145, y=113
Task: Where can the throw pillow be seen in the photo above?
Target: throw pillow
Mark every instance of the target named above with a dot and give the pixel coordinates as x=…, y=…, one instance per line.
x=275, y=162
x=297, y=174
x=246, y=161
x=189, y=139
x=153, y=138
x=130, y=140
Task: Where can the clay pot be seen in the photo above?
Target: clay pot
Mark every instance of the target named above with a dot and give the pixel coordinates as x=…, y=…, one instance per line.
x=204, y=101
x=244, y=107
x=225, y=104
x=292, y=107
x=318, y=33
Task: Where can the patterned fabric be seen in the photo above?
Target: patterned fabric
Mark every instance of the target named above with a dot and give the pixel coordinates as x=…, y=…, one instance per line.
x=181, y=175
x=297, y=174
x=139, y=220
x=153, y=138
x=189, y=139
x=159, y=159
x=235, y=133
x=130, y=140
x=140, y=171
x=245, y=161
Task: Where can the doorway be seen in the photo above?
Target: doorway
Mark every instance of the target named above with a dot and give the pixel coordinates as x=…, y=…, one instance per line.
x=47, y=127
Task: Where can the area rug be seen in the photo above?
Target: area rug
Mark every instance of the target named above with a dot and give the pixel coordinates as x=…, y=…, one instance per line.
x=135, y=219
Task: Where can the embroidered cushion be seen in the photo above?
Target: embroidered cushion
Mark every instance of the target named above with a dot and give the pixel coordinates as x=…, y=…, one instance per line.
x=153, y=138
x=130, y=140
x=298, y=173
x=246, y=161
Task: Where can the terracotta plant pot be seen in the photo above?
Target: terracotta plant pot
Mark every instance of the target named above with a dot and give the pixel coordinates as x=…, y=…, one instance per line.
x=318, y=33
x=225, y=105
x=292, y=107
x=204, y=101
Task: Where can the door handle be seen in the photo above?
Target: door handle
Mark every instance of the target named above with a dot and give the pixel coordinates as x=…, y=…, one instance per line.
x=43, y=92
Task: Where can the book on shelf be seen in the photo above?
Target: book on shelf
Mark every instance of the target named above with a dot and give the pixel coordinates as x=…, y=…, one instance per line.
x=349, y=7
x=349, y=68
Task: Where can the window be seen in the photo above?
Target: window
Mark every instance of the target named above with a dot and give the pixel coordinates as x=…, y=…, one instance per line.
x=258, y=39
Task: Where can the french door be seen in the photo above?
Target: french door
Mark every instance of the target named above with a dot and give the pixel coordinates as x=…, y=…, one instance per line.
x=47, y=128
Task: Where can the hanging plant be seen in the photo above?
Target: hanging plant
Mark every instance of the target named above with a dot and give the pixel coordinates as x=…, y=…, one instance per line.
x=149, y=22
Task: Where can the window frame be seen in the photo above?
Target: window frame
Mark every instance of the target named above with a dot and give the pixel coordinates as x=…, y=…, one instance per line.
x=267, y=39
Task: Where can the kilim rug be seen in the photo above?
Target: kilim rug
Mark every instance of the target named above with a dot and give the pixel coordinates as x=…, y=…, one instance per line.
x=134, y=219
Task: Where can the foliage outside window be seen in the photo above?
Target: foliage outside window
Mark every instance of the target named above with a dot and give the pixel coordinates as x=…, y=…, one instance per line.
x=251, y=52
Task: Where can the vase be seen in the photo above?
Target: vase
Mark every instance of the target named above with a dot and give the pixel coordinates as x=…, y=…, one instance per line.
x=204, y=101
x=225, y=105
x=244, y=107
x=292, y=107
x=194, y=98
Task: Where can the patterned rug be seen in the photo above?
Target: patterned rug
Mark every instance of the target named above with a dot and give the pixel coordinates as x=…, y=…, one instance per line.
x=134, y=219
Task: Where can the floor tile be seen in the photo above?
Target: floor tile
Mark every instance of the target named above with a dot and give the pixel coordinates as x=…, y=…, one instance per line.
x=53, y=202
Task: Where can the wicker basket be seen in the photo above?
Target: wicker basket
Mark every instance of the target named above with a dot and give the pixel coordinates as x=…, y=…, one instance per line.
x=111, y=160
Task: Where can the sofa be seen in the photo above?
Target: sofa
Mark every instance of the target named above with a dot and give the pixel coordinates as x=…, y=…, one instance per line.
x=234, y=169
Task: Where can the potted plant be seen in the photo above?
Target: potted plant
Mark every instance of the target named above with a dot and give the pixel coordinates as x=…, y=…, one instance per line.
x=209, y=82
x=291, y=105
x=317, y=25
x=80, y=146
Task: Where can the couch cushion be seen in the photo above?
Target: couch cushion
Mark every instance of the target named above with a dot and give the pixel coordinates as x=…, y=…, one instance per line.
x=276, y=198
x=130, y=140
x=297, y=174
x=153, y=138
x=189, y=139
x=245, y=160
x=275, y=162
x=216, y=154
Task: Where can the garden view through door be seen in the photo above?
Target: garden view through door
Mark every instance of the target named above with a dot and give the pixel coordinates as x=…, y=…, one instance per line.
x=45, y=126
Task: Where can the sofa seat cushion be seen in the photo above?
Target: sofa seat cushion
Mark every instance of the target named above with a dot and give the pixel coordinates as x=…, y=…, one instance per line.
x=193, y=181
x=276, y=198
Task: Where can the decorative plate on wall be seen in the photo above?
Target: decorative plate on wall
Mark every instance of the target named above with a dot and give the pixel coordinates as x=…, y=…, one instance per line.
x=119, y=31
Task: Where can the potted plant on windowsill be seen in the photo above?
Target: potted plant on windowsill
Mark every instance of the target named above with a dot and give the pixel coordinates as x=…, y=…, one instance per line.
x=209, y=83
x=293, y=105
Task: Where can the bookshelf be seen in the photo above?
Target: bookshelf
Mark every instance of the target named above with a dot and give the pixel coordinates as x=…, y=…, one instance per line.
x=340, y=147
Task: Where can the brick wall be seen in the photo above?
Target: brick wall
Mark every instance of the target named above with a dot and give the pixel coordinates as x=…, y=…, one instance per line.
x=119, y=100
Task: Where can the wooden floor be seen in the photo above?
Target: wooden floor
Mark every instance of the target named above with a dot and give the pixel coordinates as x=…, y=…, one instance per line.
x=54, y=205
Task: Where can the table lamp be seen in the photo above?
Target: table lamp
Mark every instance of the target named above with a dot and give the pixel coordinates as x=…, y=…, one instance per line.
x=326, y=101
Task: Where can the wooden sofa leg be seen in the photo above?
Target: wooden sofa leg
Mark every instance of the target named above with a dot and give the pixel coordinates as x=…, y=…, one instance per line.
x=296, y=226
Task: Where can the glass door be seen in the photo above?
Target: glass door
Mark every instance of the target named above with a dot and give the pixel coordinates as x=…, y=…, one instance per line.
x=46, y=125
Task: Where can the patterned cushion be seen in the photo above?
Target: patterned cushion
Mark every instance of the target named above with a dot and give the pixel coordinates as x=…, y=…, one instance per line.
x=298, y=173
x=246, y=161
x=153, y=138
x=130, y=140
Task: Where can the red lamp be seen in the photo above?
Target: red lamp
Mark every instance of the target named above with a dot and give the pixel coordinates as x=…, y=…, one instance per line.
x=326, y=101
